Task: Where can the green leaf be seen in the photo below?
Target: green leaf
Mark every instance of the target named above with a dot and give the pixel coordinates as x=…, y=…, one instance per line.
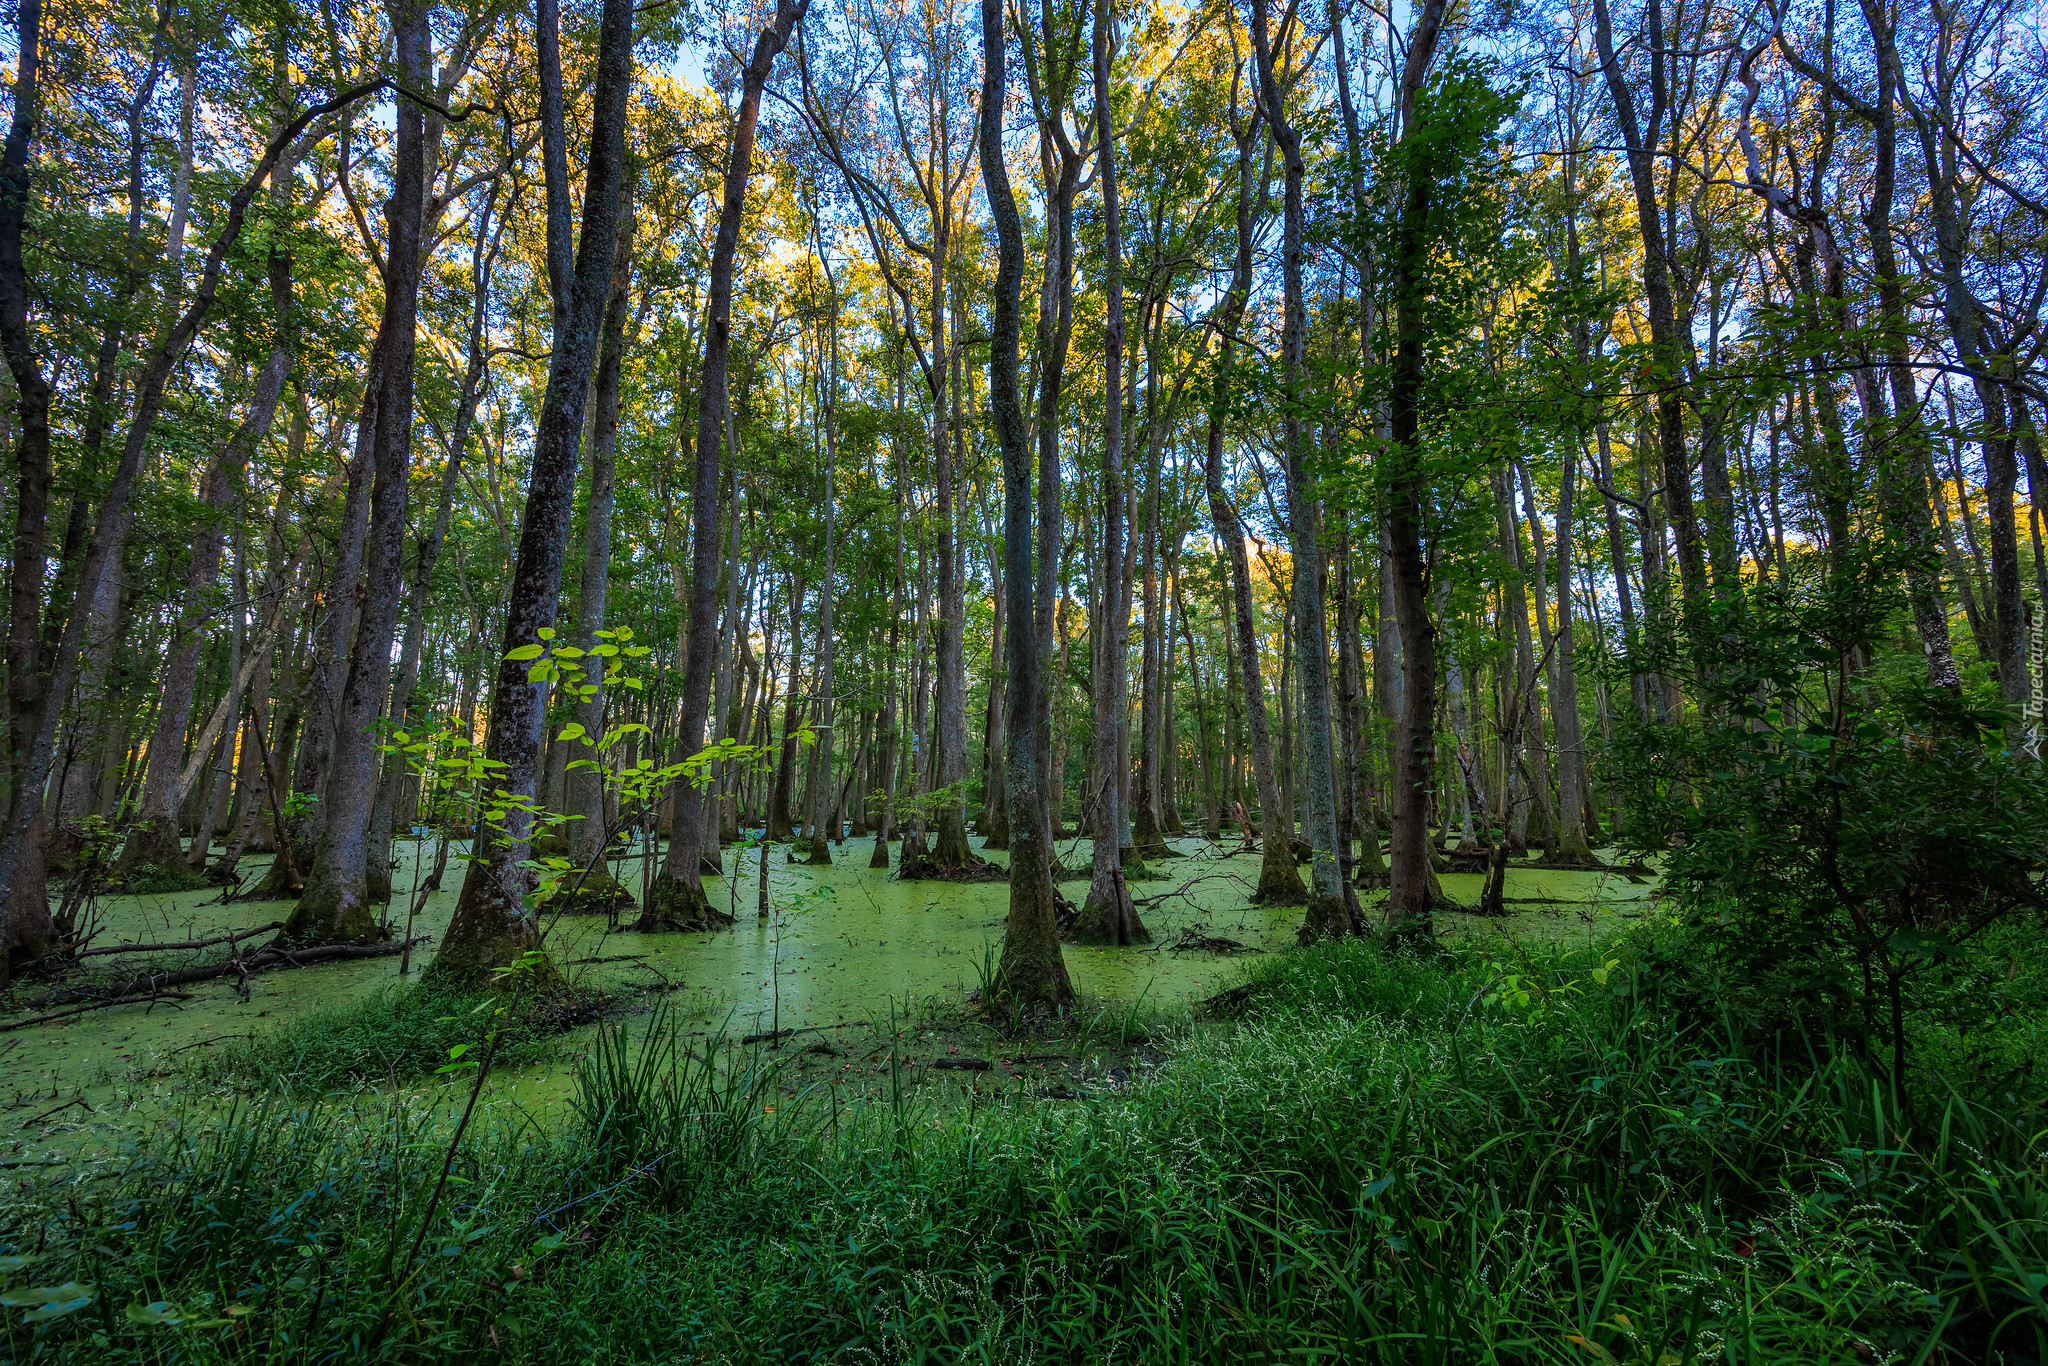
x=160, y=1313
x=47, y=1294
x=573, y=731
x=53, y=1302
x=546, y=633
x=525, y=652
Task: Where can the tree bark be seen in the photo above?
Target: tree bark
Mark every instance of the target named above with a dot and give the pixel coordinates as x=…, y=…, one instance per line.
x=677, y=897
x=1108, y=915
x=1329, y=913
x=1413, y=893
x=335, y=907
x=1032, y=972
x=492, y=923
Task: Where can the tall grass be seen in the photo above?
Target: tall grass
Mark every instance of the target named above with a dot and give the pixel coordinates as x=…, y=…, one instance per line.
x=1453, y=1160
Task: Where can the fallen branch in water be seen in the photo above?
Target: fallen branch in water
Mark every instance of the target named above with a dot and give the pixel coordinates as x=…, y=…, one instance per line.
x=1182, y=889
x=55, y=1110
x=262, y=958
x=125, y=1000
x=816, y=1029
x=227, y=938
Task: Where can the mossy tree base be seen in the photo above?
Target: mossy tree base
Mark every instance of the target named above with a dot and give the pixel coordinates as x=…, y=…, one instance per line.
x=950, y=848
x=153, y=860
x=476, y=963
x=1328, y=917
x=674, y=905
x=1103, y=922
x=1280, y=881
x=331, y=914
x=278, y=882
x=594, y=893
x=931, y=870
x=880, y=858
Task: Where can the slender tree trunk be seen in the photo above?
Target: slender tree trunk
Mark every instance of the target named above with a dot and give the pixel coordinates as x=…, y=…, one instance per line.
x=1108, y=915
x=154, y=841
x=1413, y=893
x=335, y=907
x=678, y=897
x=1279, y=879
x=822, y=825
x=492, y=923
x=1329, y=913
x=1032, y=973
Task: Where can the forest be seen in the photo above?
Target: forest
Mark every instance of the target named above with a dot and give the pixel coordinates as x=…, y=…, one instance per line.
x=1024, y=680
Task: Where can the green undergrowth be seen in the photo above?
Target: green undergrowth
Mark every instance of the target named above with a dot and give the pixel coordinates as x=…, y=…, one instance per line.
x=401, y=1033
x=1486, y=1155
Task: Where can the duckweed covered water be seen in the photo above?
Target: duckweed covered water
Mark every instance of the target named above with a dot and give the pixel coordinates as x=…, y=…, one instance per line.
x=841, y=945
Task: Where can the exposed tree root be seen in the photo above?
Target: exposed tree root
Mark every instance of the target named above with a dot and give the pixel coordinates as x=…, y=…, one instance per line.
x=930, y=870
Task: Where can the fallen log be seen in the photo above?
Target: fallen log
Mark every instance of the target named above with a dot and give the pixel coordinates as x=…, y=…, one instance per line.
x=255, y=962
x=228, y=938
x=96, y=1005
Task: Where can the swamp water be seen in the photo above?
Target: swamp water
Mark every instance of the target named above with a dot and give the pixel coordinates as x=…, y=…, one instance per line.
x=846, y=952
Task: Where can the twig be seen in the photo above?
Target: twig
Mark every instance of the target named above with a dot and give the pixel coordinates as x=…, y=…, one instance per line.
x=1203, y=877
x=228, y=938
x=633, y=1175
x=96, y=1005
x=208, y=1043
x=55, y=1110
x=814, y=1029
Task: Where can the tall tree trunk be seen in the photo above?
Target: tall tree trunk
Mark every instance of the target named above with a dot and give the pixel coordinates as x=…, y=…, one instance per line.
x=1279, y=879
x=428, y=555
x=1413, y=893
x=586, y=805
x=335, y=907
x=25, y=929
x=1667, y=340
x=677, y=897
x=154, y=842
x=1032, y=972
x=1329, y=912
x=1108, y=915
x=492, y=923
x=822, y=825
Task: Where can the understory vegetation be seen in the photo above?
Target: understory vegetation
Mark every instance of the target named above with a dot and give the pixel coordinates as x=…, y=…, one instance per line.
x=1481, y=1154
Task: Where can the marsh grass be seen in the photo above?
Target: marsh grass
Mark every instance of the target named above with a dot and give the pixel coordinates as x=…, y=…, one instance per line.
x=399, y=1034
x=1476, y=1157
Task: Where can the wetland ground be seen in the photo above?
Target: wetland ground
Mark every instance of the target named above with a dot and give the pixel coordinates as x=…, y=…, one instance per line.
x=851, y=955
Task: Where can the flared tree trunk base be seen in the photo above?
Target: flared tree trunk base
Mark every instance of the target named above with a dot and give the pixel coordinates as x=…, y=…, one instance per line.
x=931, y=870
x=31, y=931
x=596, y=893
x=277, y=882
x=1280, y=881
x=329, y=913
x=154, y=861
x=1327, y=918
x=676, y=906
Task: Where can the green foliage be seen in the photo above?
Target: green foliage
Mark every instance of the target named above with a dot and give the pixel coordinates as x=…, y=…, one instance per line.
x=402, y=1033
x=1837, y=836
x=1391, y=1160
